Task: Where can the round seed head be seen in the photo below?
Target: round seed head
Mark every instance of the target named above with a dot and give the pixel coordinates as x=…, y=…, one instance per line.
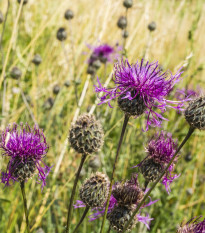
x=128, y=3
x=134, y=107
x=152, y=26
x=24, y=1
x=91, y=70
x=67, y=83
x=22, y=171
x=86, y=135
x=16, y=73
x=95, y=162
x=37, y=60
x=94, y=191
x=56, y=89
x=195, y=113
x=125, y=34
x=1, y=17
x=128, y=193
x=150, y=170
x=68, y=14
x=122, y=22
x=61, y=34
x=119, y=217
x=96, y=64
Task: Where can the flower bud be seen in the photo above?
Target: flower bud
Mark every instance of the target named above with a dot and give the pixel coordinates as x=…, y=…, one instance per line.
x=56, y=89
x=125, y=34
x=94, y=191
x=86, y=134
x=122, y=22
x=119, y=217
x=68, y=14
x=49, y=103
x=134, y=107
x=128, y=3
x=152, y=26
x=195, y=113
x=37, y=60
x=61, y=34
x=16, y=73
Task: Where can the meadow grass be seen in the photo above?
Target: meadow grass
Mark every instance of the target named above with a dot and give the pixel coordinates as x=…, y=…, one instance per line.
x=177, y=41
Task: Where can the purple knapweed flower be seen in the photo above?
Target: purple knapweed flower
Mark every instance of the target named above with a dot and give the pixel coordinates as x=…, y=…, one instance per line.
x=141, y=88
x=104, y=53
x=114, y=203
x=160, y=151
x=181, y=94
x=25, y=147
x=193, y=226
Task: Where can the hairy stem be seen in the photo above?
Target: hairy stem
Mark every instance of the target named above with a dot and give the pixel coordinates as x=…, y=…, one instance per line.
x=70, y=208
x=191, y=130
x=82, y=218
x=126, y=119
x=25, y=205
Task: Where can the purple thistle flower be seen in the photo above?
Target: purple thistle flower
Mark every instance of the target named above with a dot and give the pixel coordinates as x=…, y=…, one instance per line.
x=25, y=147
x=99, y=212
x=141, y=84
x=104, y=53
x=193, y=226
x=160, y=151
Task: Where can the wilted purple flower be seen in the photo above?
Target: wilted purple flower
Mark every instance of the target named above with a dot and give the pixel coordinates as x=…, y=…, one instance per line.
x=141, y=84
x=25, y=147
x=193, y=226
x=160, y=151
x=104, y=53
x=99, y=212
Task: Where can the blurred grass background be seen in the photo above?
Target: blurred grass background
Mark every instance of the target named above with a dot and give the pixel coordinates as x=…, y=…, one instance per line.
x=177, y=41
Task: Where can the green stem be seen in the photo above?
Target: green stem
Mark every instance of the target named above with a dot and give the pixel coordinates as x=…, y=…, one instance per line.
x=70, y=208
x=82, y=218
x=191, y=130
x=109, y=229
x=126, y=119
x=25, y=205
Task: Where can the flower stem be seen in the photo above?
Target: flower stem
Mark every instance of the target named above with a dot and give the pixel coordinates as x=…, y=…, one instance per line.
x=70, y=208
x=82, y=218
x=109, y=229
x=126, y=119
x=25, y=205
x=191, y=130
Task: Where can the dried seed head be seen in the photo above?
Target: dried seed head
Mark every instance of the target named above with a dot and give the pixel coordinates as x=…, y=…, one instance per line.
x=150, y=170
x=95, y=162
x=122, y=22
x=128, y=3
x=1, y=17
x=24, y=1
x=86, y=134
x=37, y=60
x=22, y=171
x=94, y=191
x=119, y=217
x=195, y=113
x=56, y=89
x=128, y=193
x=134, y=107
x=16, y=73
x=68, y=14
x=91, y=70
x=61, y=34
x=125, y=34
x=152, y=26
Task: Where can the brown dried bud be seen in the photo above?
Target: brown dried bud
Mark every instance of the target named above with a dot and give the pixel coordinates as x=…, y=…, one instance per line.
x=37, y=60
x=16, y=73
x=128, y=3
x=61, y=34
x=152, y=26
x=68, y=14
x=195, y=113
x=94, y=191
x=122, y=22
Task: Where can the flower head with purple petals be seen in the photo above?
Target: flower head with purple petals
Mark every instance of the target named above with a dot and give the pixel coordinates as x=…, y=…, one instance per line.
x=160, y=151
x=104, y=53
x=141, y=84
x=193, y=226
x=25, y=147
